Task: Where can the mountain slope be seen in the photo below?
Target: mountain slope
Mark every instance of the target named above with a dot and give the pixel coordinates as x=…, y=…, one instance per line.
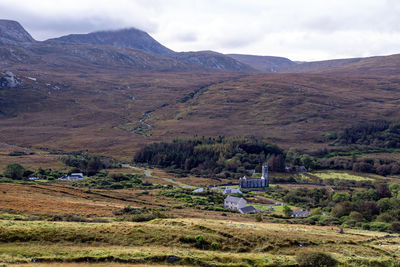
x=264, y=63
x=131, y=38
x=373, y=66
x=11, y=33
x=315, y=66
x=213, y=60
x=139, y=40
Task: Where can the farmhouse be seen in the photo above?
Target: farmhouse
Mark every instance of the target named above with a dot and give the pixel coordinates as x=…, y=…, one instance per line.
x=234, y=203
x=258, y=182
x=72, y=177
x=301, y=213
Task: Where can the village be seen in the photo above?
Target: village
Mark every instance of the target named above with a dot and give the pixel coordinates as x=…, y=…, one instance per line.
x=234, y=200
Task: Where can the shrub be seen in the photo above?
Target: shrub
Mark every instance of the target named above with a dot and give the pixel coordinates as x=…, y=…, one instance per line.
x=17, y=153
x=356, y=216
x=379, y=226
x=142, y=218
x=395, y=227
x=259, y=217
x=14, y=171
x=215, y=245
x=287, y=211
x=312, y=258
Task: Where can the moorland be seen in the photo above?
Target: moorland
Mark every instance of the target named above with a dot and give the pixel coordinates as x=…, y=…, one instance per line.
x=146, y=126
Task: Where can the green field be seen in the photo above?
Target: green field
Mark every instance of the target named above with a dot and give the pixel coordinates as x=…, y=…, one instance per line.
x=341, y=175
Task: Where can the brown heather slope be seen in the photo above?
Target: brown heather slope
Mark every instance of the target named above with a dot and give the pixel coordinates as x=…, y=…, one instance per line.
x=291, y=109
x=102, y=112
x=369, y=67
x=113, y=100
x=96, y=111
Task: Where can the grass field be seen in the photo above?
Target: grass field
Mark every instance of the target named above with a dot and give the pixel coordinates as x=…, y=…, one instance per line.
x=341, y=175
x=164, y=241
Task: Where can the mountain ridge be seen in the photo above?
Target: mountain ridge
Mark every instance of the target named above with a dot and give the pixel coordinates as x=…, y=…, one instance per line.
x=128, y=37
x=12, y=32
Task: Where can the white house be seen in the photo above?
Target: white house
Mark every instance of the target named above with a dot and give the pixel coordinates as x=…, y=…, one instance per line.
x=234, y=203
x=72, y=177
x=199, y=190
x=301, y=213
x=229, y=190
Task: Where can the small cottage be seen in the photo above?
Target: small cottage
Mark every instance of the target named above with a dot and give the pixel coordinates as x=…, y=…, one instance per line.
x=301, y=213
x=72, y=177
x=234, y=203
x=248, y=209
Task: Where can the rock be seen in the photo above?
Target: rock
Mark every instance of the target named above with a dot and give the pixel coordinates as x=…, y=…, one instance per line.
x=8, y=80
x=172, y=259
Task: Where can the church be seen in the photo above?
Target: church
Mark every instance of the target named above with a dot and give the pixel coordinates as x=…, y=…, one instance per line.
x=262, y=182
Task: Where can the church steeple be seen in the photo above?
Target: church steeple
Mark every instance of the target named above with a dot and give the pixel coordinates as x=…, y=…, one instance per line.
x=264, y=171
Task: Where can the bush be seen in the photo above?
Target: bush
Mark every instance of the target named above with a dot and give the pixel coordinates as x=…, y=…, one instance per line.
x=315, y=259
x=142, y=218
x=14, y=171
x=379, y=226
x=215, y=245
x=394, y=227
x=17, y=153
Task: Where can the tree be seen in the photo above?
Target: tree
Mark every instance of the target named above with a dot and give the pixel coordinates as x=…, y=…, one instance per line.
x=356, y=216
x=308, y=162
x=342, y=209
x=340, y=197
x=14, y=171
x=287, y=211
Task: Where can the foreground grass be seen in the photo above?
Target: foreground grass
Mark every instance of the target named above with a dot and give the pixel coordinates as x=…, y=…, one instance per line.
x=189, y=242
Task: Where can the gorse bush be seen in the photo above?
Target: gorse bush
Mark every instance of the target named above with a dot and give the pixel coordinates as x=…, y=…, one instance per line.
x=315, y=259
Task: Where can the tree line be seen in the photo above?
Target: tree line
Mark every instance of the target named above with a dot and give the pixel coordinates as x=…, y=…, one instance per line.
x=219, y=157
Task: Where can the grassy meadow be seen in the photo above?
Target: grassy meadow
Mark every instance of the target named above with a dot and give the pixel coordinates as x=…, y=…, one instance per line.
x=190, y=242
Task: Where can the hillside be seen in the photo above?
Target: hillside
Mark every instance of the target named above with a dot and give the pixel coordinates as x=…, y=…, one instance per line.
x=131, y=38
x=11, y=32
x=139, y=40
x=372, y=67
x=114, y=100
x=268, y=64
x=265, y=63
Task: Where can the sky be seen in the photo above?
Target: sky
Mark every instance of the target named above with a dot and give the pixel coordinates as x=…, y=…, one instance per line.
x=303, y=30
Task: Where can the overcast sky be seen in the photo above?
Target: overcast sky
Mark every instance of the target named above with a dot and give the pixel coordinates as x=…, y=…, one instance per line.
x=297, y=29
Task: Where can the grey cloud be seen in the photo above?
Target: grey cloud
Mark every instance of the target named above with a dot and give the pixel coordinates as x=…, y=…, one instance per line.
x=303, y=30
x=186, y=37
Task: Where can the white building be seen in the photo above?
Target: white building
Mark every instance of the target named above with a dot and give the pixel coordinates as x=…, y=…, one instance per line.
x=73, y=177
x=229, y=190
x=234, y=203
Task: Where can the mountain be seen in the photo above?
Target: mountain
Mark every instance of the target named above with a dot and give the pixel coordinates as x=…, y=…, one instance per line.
x=139, y=40
x=211, y=59
x=373, y=66
x=264, y=63
x=131, y=38
x=11, y=33
x=267, y=64
x=112, y=99
x=319, y=65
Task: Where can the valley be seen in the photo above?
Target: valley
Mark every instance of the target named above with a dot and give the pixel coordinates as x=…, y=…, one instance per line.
x=117, y=150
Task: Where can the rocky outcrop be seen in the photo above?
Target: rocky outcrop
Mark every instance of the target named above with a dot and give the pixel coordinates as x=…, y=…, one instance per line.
x=12, y=33
x=8, y=80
